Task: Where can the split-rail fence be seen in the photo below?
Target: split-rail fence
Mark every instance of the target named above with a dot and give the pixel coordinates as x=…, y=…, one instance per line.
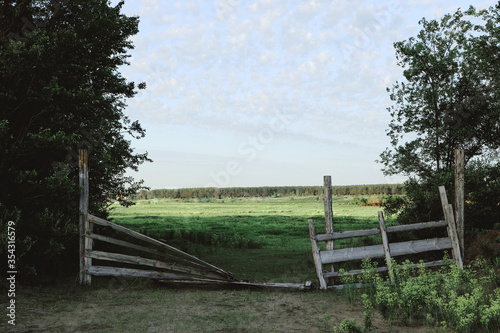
x=324, y=260
x=157, y=260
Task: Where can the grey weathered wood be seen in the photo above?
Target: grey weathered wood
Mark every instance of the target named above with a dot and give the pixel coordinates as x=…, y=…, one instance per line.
x=124, y=244
x=453, y=235
x=377, y=251
x=444, y=198
x=385, y=269
x=135, y=234
x=444, y=205
x=175, y=278
x=131, y=272
x=85, y=243
x=316, y=255
x=327, y=200
x=385, y=244
x=347, y=234
x=452, y=227
x=376, y=231
x=123, y=258
x=296, y=286
x=417, y=226
x=342, y=286
x=459, y=197
x=144, y=249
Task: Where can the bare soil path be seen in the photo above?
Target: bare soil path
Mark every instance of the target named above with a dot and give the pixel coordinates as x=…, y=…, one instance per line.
x=141, y=306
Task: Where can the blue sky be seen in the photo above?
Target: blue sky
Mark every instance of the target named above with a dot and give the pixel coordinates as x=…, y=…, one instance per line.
x=270, y=92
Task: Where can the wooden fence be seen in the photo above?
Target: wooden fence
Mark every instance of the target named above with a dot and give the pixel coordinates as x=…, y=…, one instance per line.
x=157, y=260
x=170, y=263
x=385, y=250
x=324, y=259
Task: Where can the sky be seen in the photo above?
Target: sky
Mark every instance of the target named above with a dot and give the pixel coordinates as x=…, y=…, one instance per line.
x=270, y=92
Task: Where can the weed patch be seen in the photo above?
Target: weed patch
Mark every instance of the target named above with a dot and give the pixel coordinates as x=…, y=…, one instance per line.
x=465, y=300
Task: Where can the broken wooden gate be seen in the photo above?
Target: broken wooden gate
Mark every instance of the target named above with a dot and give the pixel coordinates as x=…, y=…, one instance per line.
x=324, y=259
x=162, y=261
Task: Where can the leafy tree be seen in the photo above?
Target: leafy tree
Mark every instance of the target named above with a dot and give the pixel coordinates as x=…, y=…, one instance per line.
x=60, y=90
x=449, y=99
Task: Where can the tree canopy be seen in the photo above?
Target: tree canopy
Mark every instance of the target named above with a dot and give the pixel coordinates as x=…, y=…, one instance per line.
x=449, y=99
x=450, y=96
x=61, y=90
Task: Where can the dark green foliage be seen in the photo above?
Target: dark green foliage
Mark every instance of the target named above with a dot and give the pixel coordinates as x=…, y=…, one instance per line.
x=464, y=300
x=449, y=100
x=350, y=326
x=61, y=91
x=422, y=202
x=460, y=300
x=482, y=184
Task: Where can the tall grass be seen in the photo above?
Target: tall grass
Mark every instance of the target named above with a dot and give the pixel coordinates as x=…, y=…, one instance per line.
x=464, y=301
x=258, y=239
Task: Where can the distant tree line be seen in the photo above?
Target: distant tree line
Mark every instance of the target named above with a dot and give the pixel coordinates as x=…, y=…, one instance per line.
x=268, y=191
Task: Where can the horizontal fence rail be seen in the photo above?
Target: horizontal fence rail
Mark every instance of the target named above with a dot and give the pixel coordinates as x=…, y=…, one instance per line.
x=377, y=251
x=385, y=250
x=189, y=267
x=165, y=263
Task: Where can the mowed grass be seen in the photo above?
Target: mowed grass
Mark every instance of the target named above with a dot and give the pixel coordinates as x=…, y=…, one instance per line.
x=257, y=239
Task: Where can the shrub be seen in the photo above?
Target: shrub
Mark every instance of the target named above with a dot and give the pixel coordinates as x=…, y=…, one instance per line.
x=350, y=326
x=464, y=300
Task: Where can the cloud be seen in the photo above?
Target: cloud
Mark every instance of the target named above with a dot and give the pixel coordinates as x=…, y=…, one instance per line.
x=230, y=66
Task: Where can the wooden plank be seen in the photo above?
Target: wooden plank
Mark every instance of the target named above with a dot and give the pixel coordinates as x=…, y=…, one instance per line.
x=144, y=249
x=444, y=205
x=377, y=251
x=347, y=234
x=452, y=232
x=296, y=286
x=135, y=234
x=343, y=286
x=385, y=269
x=453, y=235
x=125, y=244
x=459, y=197
x=385, y=244
x=123, y=258
x=174, y=278
x=444, y=198
x=417, y=226
x=316, y=255
x=136, y=273
x=327, y=200
x=85, y=243
x=376, y=231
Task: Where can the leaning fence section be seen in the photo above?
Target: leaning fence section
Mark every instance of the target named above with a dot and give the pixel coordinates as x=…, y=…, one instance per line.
x=324, y=259
x=171, y=263
x=137, y=255
x=157, y=260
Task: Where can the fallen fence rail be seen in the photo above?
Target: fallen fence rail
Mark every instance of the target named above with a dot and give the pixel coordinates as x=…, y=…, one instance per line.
x=165, y=263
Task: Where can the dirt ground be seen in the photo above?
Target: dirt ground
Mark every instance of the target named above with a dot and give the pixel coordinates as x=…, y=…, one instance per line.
x=113, y=305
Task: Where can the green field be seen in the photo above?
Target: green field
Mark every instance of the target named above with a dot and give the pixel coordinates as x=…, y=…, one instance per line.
x=264, y=239
x=257, y=239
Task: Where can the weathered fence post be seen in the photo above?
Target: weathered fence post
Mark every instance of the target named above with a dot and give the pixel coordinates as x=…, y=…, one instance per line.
x=85, y=242
x=327, y=199
x=316, y=255
x=452, y=227
x=385, y=244
x=459, y=196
